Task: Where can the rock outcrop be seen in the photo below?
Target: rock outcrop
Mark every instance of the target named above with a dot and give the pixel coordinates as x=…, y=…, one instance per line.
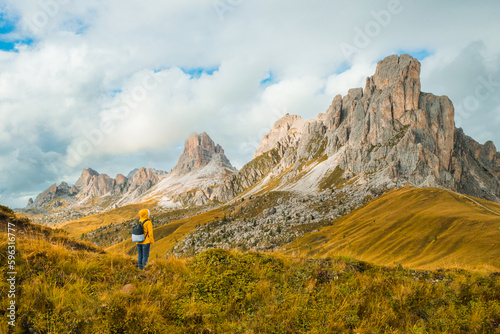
x=199, y=151
x=392, y=126
x=63, y=191
x=142, y=180
x=197, y=177
x=388, y=134
x=92, y=184
x=475, y=167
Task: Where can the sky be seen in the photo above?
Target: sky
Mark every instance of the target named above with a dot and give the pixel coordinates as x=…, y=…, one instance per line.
x=116, y=85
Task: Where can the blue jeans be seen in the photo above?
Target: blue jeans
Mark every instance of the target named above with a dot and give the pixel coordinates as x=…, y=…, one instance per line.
x=143, y=255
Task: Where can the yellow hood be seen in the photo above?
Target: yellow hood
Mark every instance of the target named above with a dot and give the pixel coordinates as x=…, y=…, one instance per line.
x=144, y=214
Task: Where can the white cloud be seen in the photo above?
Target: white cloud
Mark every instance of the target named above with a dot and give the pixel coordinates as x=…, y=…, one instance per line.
x=89, y=55
x=352, y=78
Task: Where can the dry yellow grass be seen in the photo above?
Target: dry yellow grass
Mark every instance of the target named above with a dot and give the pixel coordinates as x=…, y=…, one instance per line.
x=65, y=286
x=86, y=224
x=424, y=228
x=168, y=235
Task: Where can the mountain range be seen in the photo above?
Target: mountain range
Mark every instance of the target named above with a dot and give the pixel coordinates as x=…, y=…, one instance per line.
x=388, y=135
x=202, y=165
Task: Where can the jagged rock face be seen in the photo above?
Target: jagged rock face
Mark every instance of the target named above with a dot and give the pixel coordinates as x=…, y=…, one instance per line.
x=92, y=184
x=476, y=167
x=390, y=125
x=142, y=180
x=85, y=178
x=285, y=133
x=198, y=177
x=390, y=131
x=120, y=183
x=393, y=125
x=199, y=151
x=247, y=176
x=54, y=191
x=400, y=77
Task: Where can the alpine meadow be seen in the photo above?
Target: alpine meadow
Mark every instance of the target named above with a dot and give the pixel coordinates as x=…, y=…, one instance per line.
x=249, y=167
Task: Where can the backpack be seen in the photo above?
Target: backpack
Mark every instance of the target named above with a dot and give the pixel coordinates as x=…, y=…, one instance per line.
x=138, y=232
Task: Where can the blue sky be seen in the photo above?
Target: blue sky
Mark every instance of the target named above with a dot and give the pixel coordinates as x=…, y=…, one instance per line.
x=7, y=26
x=199, y=71
x=158, y=70
x=9, y=38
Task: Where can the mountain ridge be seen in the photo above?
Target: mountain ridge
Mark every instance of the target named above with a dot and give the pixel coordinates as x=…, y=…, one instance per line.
x=202, y=165
x=387, y=135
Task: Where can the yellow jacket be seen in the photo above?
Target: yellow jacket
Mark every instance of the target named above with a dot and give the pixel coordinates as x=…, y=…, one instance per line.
x=148, y=227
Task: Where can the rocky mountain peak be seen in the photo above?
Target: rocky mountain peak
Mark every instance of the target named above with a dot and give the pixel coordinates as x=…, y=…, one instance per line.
x=199, y=151
x=398, y=77
x=120, y=179
x=54, y=191
x=287, y=129
x=86, y=177
x=394, y=70
x=388, y=134
x=196, y=141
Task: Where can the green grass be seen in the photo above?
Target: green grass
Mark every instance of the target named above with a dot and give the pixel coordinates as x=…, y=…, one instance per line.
x=332, y=179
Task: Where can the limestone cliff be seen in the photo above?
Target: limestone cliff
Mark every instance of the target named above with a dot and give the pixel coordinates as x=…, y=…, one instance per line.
x=199, y=151
x=386, y=135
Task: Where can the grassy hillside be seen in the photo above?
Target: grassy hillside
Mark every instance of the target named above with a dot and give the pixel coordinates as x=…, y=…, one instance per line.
x=168, y=235
x=62, y=288
x=424, y=228
x=416, y=227
x=86, y=224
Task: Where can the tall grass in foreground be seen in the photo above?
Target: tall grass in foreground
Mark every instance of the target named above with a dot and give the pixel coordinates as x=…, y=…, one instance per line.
x=68, y=291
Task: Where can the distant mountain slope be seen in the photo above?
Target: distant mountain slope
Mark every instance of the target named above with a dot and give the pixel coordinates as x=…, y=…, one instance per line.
x=200, y=151
x=193, y=181
x=96, y=190
x=201, y=168
x=417, y=227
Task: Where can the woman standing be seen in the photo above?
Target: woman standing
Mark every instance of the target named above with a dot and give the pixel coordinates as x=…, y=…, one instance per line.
x=144, y=247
